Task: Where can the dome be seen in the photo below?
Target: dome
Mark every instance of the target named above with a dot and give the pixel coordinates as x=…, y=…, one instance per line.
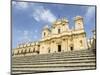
x=58, y=22
x=46, y=27
x=78, y=17
x=65, y=20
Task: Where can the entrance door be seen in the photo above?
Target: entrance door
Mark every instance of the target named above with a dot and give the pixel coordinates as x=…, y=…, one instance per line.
x=59, y=48
x=71, y=48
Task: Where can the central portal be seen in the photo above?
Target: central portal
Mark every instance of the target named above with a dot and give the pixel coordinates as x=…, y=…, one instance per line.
x=71, y=48
x=59, y=48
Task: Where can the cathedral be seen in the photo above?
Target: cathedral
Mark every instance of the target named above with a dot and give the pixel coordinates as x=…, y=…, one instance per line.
x=57, y=38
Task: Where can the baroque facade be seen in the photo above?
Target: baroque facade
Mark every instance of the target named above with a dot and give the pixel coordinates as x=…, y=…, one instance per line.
x=58, y=38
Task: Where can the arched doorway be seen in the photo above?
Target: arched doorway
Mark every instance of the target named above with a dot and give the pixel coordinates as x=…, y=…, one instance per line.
x=71, y=47
x=59, y=48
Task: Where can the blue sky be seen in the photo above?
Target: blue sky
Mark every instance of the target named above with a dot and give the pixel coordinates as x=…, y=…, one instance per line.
x=28, y=19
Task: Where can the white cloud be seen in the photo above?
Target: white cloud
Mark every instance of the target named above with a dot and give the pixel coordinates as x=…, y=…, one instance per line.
x=90, y=13
x=20, y=5
x=25, y=36
x=42, y=14
x=39, y=12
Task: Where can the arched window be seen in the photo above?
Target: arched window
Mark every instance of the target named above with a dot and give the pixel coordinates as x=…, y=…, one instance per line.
x=79, y=23
x=58, y=31
x=81, y=43
x=63, y=39
x=71, y=47
x=48, y=50
x=38, y=45
x=44, y=33
x=53, y=41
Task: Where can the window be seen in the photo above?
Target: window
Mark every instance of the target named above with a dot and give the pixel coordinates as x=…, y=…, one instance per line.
x=44, y=33
x=38, y=45
x=71, y=47
x=81, y=43
x=58, y=30
x=79, y=23
x=52, y=41
x=63, y=24
x=48, y=50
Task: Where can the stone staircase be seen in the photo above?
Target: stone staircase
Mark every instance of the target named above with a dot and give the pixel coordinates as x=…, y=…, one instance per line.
x=64, y=61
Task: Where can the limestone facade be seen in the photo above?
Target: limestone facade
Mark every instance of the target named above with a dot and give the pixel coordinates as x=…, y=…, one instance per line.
x=57, y=38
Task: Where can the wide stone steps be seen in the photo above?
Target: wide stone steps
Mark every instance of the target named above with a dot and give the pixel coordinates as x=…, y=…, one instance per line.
x=49, y=69
x=50, y=57
x=54, y=65
x=91, y=62
x=53, y=60
x=54, y=55
x=65, y=61
x=56, y=62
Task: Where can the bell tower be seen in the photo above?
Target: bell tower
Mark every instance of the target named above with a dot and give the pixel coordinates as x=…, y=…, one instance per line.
x=46, y=31
x=65, y=24
x=78, y=20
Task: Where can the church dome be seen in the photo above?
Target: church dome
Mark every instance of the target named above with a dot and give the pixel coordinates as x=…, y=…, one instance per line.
x=65, y=20
x=46, y=27
x=78, y=18
x=60, y=21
